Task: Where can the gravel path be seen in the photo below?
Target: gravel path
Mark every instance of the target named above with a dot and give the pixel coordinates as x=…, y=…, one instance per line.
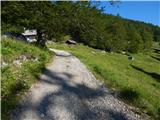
x=68, y=91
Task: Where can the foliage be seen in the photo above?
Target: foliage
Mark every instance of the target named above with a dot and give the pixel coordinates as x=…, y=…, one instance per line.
x=15, y=80
x=135, y=43
x=67, y=37
x=83, y=21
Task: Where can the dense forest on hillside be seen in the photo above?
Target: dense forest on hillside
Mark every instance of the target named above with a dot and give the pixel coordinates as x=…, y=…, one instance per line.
x=82, y=21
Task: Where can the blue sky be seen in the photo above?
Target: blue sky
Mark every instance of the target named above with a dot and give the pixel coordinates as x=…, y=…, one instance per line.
x=147, y=11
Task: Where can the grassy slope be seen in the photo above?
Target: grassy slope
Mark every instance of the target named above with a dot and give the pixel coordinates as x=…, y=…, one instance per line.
x=15, y=80
x=137, y=82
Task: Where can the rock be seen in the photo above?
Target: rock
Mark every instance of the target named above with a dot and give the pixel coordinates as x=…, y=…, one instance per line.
x=17, y=62
x=71, y=42
x=103, y=51
x=35, y=59
x=42, y=115
x=131, y=58
x=123, y=52
x=93, y=52
x=23, y=58
x=50, y=42
x=3, y=64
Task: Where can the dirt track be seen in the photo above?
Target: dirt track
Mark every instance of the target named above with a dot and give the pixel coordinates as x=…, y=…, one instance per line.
x=68, y=91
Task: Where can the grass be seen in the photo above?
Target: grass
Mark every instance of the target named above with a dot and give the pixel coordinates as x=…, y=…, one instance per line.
x=136, y=82
x=15, y=80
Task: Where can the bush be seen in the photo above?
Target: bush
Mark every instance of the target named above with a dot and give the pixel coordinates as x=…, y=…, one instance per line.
x=67, y=37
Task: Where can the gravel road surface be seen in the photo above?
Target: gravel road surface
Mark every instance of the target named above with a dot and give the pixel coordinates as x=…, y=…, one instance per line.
x=67, y=90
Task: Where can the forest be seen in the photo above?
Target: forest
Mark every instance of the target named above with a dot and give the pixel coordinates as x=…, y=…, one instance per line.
x=84, y=22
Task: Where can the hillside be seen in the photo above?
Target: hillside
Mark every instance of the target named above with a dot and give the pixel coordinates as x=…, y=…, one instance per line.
x=135, y=82
x=21, y=64
x=82, y=21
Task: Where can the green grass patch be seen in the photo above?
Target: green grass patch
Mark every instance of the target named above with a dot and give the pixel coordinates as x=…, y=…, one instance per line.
x=15, y=80
x=136, y=82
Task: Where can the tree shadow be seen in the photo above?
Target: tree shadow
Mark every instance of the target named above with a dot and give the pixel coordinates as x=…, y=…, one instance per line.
x=156, y=76
x=128, y=94
x=70, y=98
x=157, y=51
x=78, y=111
x=156, y=58
x=62, y=79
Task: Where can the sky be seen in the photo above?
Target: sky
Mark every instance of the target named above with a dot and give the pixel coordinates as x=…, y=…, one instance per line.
x=146, y=11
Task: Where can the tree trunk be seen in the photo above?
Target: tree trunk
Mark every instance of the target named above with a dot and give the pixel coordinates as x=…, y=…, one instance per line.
x=41, y=40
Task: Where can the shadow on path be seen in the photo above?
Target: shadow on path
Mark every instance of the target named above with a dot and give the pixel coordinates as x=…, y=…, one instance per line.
x=71, y=99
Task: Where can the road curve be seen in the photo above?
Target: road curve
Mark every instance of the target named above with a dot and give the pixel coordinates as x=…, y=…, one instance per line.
x=67, y=90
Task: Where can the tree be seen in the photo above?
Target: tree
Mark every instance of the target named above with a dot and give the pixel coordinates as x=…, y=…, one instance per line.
x=147, y=40
x=118, y=36
x=156, y=34
x=30, y=15
x=12, y=16
x=135, y=42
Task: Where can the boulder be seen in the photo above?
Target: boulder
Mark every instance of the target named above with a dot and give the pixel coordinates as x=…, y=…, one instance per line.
x=17, y=62
x=130, y=58
x=93, y=52
x=71, y=42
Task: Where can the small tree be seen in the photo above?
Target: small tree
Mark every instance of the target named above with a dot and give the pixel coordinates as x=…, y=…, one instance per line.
x=118, y=36
x=135, y=42
x=147, y=40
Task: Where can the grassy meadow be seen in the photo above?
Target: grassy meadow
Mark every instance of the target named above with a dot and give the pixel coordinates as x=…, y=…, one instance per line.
x=16, y=79
x=136, y=82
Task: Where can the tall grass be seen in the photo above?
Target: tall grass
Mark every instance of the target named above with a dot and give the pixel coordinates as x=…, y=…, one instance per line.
x=15, y=79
